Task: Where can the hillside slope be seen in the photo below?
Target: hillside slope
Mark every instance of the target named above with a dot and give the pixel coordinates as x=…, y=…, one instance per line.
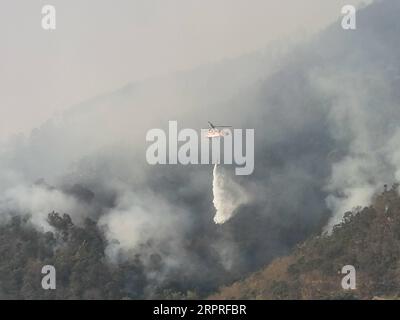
x=368, y=239
x=326, y=119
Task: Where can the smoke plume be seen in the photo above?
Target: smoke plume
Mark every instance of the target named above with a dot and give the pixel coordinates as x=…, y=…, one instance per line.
x=228, y=196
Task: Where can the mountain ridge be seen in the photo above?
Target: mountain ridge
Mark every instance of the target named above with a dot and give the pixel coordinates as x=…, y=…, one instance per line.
x=368, y=239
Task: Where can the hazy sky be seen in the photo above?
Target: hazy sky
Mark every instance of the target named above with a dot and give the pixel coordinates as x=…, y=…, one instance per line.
x=100, y=45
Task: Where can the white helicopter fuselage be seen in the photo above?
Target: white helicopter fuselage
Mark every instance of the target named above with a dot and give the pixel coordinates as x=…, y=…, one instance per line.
x=216, y=133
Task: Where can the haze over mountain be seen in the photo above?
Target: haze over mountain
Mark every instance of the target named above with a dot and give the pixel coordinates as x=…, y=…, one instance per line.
x=325, y=115
x=99, y=46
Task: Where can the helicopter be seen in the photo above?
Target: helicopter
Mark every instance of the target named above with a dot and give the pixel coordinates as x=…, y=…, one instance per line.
x=217, y=131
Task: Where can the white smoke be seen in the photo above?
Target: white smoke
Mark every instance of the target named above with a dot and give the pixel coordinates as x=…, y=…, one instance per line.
x=38, y=201
x=228, y=196
x=370, y=160
x=139, y=219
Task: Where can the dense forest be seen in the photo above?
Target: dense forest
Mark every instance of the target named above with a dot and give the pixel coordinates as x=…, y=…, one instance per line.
x=368, y=238
x=78, y=255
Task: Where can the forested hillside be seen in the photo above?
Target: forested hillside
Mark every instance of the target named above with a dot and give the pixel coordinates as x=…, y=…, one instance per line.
x=368, y=238
x=78, y=255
